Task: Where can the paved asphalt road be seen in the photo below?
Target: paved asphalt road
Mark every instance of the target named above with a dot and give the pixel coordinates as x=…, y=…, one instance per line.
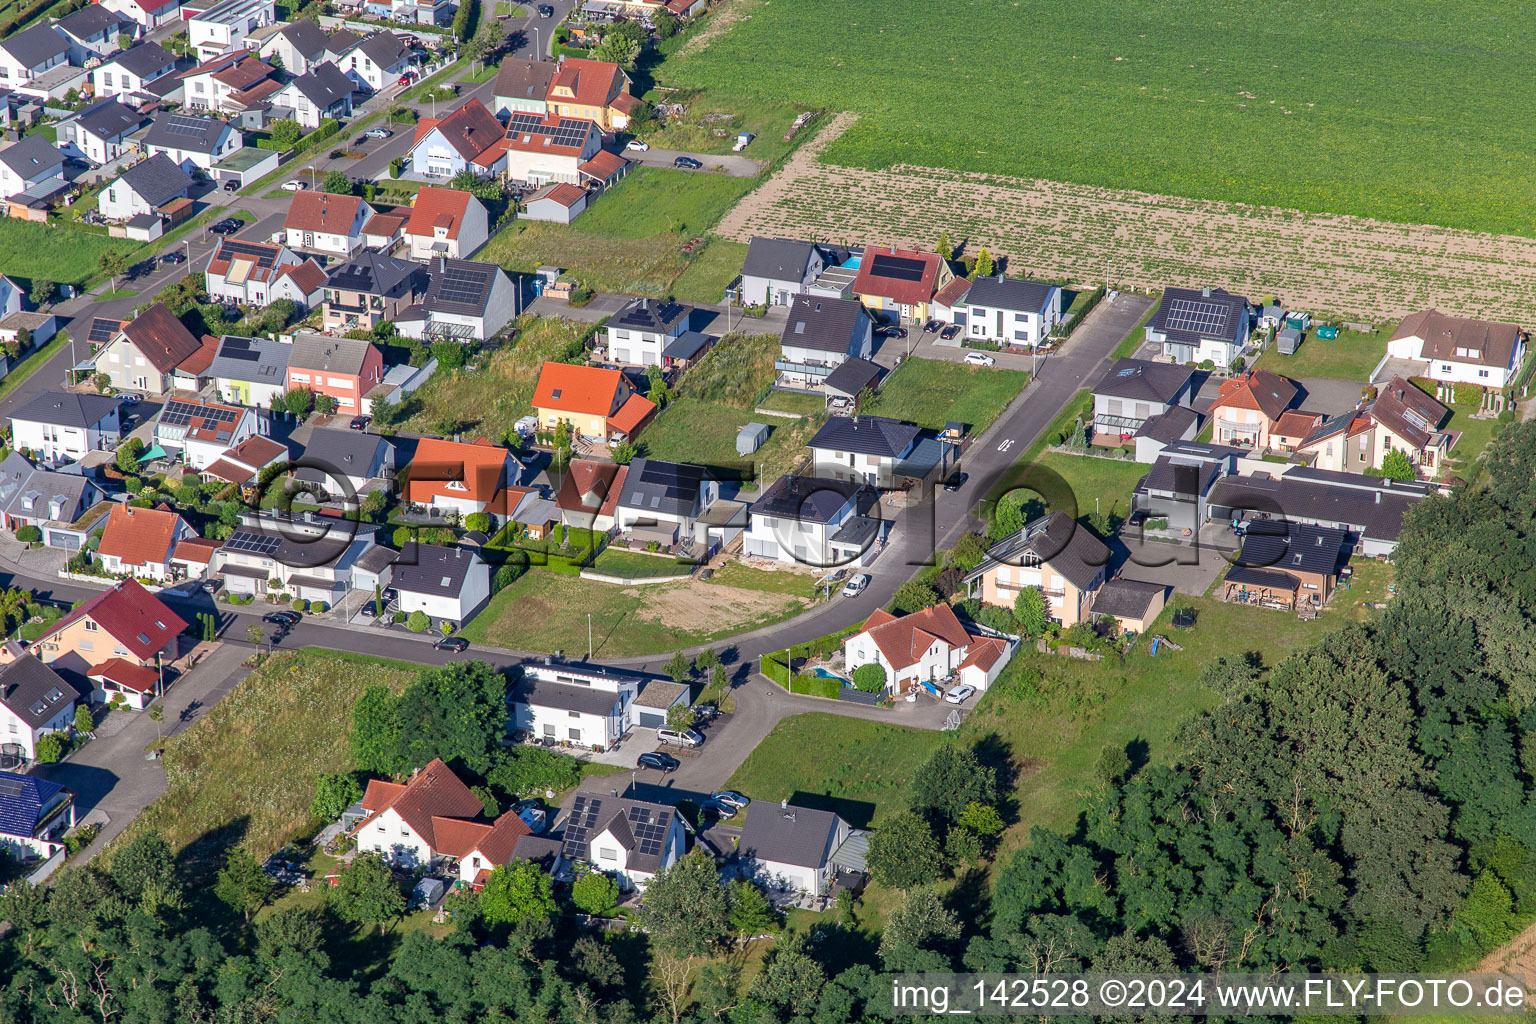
x=714, y=163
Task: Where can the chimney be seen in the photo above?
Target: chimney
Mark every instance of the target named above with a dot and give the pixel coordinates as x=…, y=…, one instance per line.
x=784, y=804
x=1206, y=292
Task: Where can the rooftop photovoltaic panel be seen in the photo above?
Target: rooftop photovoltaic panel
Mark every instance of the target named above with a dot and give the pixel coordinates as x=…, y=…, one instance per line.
x=897, y=268
x=460, y=285
x=1198, y=317
x=186, y=127
x=582, y=820
x=103, y=329
x=254, y=542
x=262, y=255
x=238, y=348
x=181, y=413
x=12, y=787
x=568, y=132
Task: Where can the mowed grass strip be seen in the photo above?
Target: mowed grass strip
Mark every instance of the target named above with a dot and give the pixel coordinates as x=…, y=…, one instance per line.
x=1350, y=356
x=930, y=393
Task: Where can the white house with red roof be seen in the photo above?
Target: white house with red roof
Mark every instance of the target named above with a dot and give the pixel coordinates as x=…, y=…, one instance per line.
x=323, y=222
x=126, y=624
x=446, y=222
x=242, y=272
x=461, y=478
x=141, y=541
x=470, y=138
x=151, y=14
x=547, y=148
x=926, y=647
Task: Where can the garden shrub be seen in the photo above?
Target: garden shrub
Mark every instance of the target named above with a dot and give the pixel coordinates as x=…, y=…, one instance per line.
x=869, y=678
x=29, y=534
x=299, y=604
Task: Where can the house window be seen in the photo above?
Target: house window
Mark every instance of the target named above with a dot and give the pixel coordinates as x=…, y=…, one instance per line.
x=574, y=735
x=573, y=714
x=91, y=626
x=608, y=854
x=1482, y=373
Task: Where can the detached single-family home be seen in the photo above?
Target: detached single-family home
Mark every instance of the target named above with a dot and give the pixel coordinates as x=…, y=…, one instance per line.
x=1196, y=326
x=1459, y=350
x=100, y=131
x=446, y=222
x=148, y=14
x=1294, y=566
x=140, y=541
x=949, y=303
x=595, y=402
x=664, y=501
x=92, y=31
x=549, y=148
x=202, y=430
x=593, y=90
x=587, y=705
x=297, y=46
x=465, y=300
x=865, y=449
x=370, y=288
x=323, y=222
x=522, y=86
x=448, y=584
x=144, y=188
x=323, y=91
x=126, y=625
x=309, y=557
x=1054, y=554
x=1176, y=489
x=242, y=272
x=344, y=368
x=1249, y=406
x=53, y=502
x=900, y=281
x=225, y=26
x=342, y=463
x=629, y=839
x=778, y=269
x=1400, y=418
x=230, y=82
x=33, y=163
x=128, y=73
x=1369, y=509
x=62, y=426
x=193, y=142
x=1137, y=395
x=640, y=331
x=31, y=52
x=1011, y=312
x=374, y=62
x=458, y=478
x=242, y=465
x=820, y=335
x=588, y=495
x=34, y=701
x=792, y=848
x=34, y=814
x=250, y=371
x=820, y=523
x=304, y=284
x=144, y=353
x=920, y=649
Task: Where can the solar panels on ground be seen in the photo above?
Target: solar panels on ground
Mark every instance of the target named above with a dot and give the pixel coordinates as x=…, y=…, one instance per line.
x=1196, y=316
x=898, y=268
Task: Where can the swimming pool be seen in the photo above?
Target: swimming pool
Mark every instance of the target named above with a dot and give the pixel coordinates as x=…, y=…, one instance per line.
x=824, y=674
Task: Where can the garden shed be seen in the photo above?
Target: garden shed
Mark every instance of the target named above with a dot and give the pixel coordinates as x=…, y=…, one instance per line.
x=751, y=438
x=1288, y=340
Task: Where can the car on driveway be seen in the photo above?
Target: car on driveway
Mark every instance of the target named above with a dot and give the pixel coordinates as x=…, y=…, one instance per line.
x=657, y=760
x=456, y=644
x=704, y=712
x=933, y=326
x=687, y=163
x=892, y=332
x=980, y=359
x=680, y=737
x=378, y=133
x=637, y=145
x=959, y=694
x=227, y=226
x=295, y=185
x=949, y=332
x=856, y=586
x=955, y=482
x=174, y=257
x=282, y=618
x=358, y=423
x=730, y=798
x=232, y=185
x=715, y=811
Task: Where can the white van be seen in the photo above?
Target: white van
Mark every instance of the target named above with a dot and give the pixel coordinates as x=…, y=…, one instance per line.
x=686, y=738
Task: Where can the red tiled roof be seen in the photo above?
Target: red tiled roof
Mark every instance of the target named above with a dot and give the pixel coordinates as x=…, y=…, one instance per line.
x=1260, y=390
x=590, y=83
x=309, y=275
x=160, y=337
x=479, y=469
x=140, y=536
x=216, y=63
x=141, y=678
x=470, y=130
x=434, y=204
x=591, y=487
x=985, y=650
x=131, y=615
x=897, y=289
x=565, y=194
x=386, y=224
x=603, y=165
x=498, y=844
x=199, y=361
x=433, y=798
x=1297, y=423
x=527, y=134
x=322, y=211
x=587, y=390
x=903, y=640
x=632, y=415
x=196, y=549
x=229, y=471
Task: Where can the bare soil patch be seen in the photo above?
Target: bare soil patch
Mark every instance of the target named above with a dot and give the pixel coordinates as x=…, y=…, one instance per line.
x=706, y=607
x=1339, y=266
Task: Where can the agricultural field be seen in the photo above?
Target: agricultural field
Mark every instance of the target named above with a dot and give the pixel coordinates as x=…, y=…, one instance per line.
x=61, y=255
x=1337, y=109
x=1337, y=267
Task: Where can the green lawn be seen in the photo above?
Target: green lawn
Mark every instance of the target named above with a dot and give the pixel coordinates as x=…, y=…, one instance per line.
x=1475, y=435
x=1109, y=481
x=690, y=430
x=59, y=254
x=792, y=401
x=1348, y=95
x=766, y=118
x=710, y=271
x=1351, y=356
x=656, y=200
x=930, y=393
x=636, y=566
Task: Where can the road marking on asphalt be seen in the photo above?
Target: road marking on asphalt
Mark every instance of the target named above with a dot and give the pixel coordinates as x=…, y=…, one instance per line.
x=1005, y=445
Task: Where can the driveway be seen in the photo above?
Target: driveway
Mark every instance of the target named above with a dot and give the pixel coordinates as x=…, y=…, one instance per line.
x=714, y=163
x=1329, y=395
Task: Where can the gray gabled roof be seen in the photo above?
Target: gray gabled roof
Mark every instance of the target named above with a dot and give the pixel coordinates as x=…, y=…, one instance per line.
x=1125, y=598
x=867, y=435
x=157, y=180
x=384, y=48
x=801, y=836
x=1373, y=506
x=808, y=499
x=1007, y=293
x=777, y=259
x=463, y=287
x=1292, y=547
x=144, y=59
x=1186, y=316
x=306, y=36
x=345, y=453
x=28, y=492
x=325, y=85
x=190, y=134
x=32, y=154
x=432, y=569
x=824, y=324
x=66, y=409
x=656, y=316
x=108, y=119
x=1144, y=381
x=1055, y=539
x=524, y=79
x=563, y=697
x=372, y=273
x=854, y=375
x=36, y=45
x=254, y=360
x=334, y=355
x=34, y=692
x=639, y=826
x=92, y=19
x=655, y=486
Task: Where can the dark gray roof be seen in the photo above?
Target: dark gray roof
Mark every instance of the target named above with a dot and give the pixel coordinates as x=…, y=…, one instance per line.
x=1007, y=293
x=687, y=345
x=157, y=180
x=376, y=274
x=639, y=826
x=1371, y=505
x=31, y=155
x=343, y=452
x=853, y=376
x=867, y=435
x=1269, y=578
x=66, y=409
x=107, y=119
x=334, y=355
x=524, y=79
x=778, y=259
x=657, y=316
x=801, y=836
x=809, y=499
x=36, y=45
x=91, y=20
x=254, y=360
x=29, y=492
x=324, y=85
x=459, y=286
x=824, y=324
x=1294, y=547
x=33, y=691
x=656, y=486
x=384, y=48
x=544, y=851
x=274, y=539
x=561, y=697
x=856, y=532
x=144, y=59
x=1055, y=538
x=433, y=569
x=181, y=132
x=1176, y=475
x=1188, y=315
x=1125, y=598
x=1144, y=381
x=306, y=36
x=1171, y=425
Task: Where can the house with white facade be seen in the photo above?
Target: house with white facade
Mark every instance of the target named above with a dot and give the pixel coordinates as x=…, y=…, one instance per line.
x=591, y=706
x=34, y=815
x=433, y=821
x=461, y=478
x=629, y=839
x=801, y=520
x=310, y=556
x=1458, y=350
x=470, y=138
x=446, y=222
x=34, y=701
x=448, y=584
x=792, y=847
x=664, y=501
x=926, y=648
x=147, y=14
x=640, y=333
x=33, y=163
x=193, y=142
x=1194, y=326
x=225, y=26
x=541, y=149
x=202, y=430
x=55, y=503
x=139, y=542
x=100, y=131
x=93, y=31
x=130, y=72
x=144, y=188
x=30, y=53
x=230, y=82
x=297, y=46
x=323, y=91
x=1011, y=312
x=1136, y=393
x=322, y=222
x=465, y=300
x=778, y=269
x=62, y=426
x=1400, y=418
x=250, y=371
x=821, y=334
x=866, y=449
x=341, y=464
x=242, y=272
x=374, y=62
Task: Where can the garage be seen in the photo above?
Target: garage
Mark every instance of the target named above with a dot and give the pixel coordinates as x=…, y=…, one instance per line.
x=648, y=719
x=649, y=710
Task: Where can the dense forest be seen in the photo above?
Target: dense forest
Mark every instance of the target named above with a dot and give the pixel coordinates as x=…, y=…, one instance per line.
x=1364, y=804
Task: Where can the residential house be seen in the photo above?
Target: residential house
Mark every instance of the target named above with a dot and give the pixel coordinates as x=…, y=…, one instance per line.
x=1293, y=428
x=866, y=449
x=448, y=584
x=900, y=281
x=422, y=12
x=32, y=165
x=446, y=222
x=588, y=706
x=522, y=86
x=549, y=148
x=56, y=503
x=34, y=814
x=129, y=73
x=592, y=90
x=93, y=31
x=1177, y=488
x=297, y=46
x=344, y=463
x=344, y=368
x=1294, y=566
x=229, y=81
x=303, y=284
x=465, y=300
x=1196, y=326
x=1053, y=553
x=1369, y=509
x=557, y=203
x=326, y=223
x=1249, y=406
x=920, y=649
x=374, y=62
x=62, y=426
x=147, y=14
x=778, y=269
x=10, y=296
x=819, y=336
x=144, y=353
x=1460, y=350
x=250, y=371
x=39, y=327
x=242, y=272
x=664, y=501
x=126, y=625
x=1135, y=391
x=139, y=542
x=1400, y=418
x=588, y=495
x=224, y=27
x=949, y=303
x=470, y=138
x=801, y=520
x=308, y=556
x=1011, y=312
x=99, y=132
x=594, y=402
x=338, y=43
x=323, y=91
x=792, y=848
x=844, y=385
x=384, y=230
x=632, y=840
x=144, y=188
x=640, y=331
x=370, y=288
x=462, y=479
x=193, y=142
x=202, y=430
x=243, y=464
x=1134, y=605
x=34, y=701
x=28, y=54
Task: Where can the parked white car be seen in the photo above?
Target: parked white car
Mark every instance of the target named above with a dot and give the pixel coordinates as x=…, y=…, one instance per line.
x=295, y=185
x=637, y=145
x=959, y=694
x=685, y=738
x=980, y=359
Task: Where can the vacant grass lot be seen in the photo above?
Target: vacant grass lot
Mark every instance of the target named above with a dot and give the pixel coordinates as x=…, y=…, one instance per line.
x=1336, y=108
x=705, y=278
x=57, y=254
x=1350, y=356
x=636, y=566
x=1107, y=481
x=930, y=393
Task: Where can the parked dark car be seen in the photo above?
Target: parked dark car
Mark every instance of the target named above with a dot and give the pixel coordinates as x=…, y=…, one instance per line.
x=955, y=482
x=892, y=332
x=932, y=326
x=546, y=11
x=174, y=257
x=282, y=618
x=687, y=163
x=225, y=227
x=456, y=644
x=949, y=332
x=656, y=759
x=359, y=423
x=704, y=712
x=232, y=185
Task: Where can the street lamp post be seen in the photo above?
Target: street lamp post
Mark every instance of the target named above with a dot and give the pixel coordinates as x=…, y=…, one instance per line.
x=538, y=45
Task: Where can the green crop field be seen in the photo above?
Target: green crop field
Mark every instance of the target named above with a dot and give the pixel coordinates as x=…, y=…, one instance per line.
x=1394, y=109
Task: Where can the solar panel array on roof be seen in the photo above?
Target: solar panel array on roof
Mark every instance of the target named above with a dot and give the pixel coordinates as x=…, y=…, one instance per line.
x=179, y=414
x=897, y=268
x=185, y=128
x=568, y=132
x=12, y=787
x=582, y=821
x=650, y=831
x=1196, y=316
x=243, y=540
x=462, y=284
x=238, y=348
x=263, y=255
x=103, y=330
